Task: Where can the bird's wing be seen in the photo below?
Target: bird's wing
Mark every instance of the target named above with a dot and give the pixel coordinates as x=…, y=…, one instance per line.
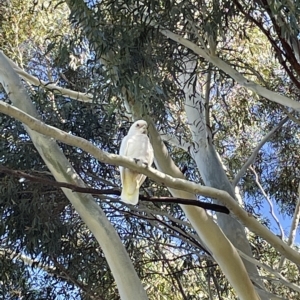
x=134, y=146
x=123, y=151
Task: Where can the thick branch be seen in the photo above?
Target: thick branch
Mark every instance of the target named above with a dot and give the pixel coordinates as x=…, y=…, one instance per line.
x=207, y=159
x=294, y=226
x=175, y=183
x=295, y=221
x=118, y=259
x=211, y=236
x=50, y=86
x=251, y=85
x=225, y=67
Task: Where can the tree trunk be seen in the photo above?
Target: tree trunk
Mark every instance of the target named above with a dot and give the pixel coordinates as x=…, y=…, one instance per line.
x=128, y=283
x=209, y=164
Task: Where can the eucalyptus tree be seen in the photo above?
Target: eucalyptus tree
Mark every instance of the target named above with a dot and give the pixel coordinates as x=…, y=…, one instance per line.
x=200, y=73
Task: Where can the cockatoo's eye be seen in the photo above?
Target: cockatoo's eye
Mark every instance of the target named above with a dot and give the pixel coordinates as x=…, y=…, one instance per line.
x=137, y=125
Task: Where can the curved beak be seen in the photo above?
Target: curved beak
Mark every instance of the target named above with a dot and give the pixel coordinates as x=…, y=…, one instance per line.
x=145, y=129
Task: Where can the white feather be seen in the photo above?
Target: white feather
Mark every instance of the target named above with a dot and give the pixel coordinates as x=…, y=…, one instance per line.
x=135, y=144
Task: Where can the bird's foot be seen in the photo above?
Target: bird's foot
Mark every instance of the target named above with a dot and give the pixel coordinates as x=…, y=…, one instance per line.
x=136, y=160
x=140, y=162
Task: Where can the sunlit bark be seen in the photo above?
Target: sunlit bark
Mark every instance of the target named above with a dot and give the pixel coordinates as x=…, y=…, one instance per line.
x=121, y=266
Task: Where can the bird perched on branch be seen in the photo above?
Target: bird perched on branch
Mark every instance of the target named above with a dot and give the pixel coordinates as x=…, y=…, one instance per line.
x=135, y=144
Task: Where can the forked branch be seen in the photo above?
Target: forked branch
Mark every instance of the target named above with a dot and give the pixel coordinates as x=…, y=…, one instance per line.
x=175, y=183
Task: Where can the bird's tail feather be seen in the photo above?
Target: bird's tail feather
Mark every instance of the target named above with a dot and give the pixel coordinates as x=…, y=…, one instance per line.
x=130, y=198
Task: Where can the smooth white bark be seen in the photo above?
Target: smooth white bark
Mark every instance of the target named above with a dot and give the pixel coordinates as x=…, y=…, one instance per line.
x=50, y=86
x=294, y=227
x=239, y=78
x=120, y=264
x=177, y=183
x=210, y=234
x=272, y=272
x=208, y=162
x=210, y=56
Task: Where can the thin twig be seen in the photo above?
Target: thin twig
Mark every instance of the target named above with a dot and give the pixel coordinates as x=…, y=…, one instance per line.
x=198, y=35
x=15, y=255
x=294, y=119
x=173, y=140
x=176, y=183
x=174, y=277
x=275, y=274
x=255, y=152
x=207, y=98
x=269, y=202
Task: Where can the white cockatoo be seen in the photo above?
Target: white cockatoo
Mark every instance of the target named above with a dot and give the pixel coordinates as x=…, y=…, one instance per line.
x=135, y=144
